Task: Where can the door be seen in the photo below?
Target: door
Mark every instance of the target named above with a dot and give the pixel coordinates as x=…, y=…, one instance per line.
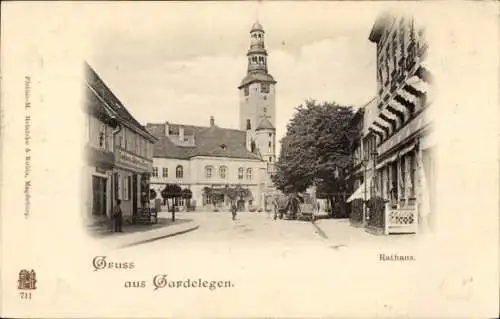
x=98, y=195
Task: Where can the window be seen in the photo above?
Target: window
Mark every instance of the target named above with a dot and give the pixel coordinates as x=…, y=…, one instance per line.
x=270, y=135
x=129, y=188
x=155, y=171
x=125, y=187
x=102, y=136
x=269, y=144
x=265, y=109
x=249, y=173
x=246, y=90
x=165, y=172
x=270, y=159
x=265, y=98
x=208, y=171
x=179, y=172
x=222, y=171
x=412, y=176
x=240, y=173
x=402, y=166
x=249, y=125
x=264, y=87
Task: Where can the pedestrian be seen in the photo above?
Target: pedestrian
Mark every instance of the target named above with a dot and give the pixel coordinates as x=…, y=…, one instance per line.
x=233, y=210
x=117, y=217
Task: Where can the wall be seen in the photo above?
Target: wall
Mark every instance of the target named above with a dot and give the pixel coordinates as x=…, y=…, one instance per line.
x=252, y=106
x=262, y=141
x=195, y=179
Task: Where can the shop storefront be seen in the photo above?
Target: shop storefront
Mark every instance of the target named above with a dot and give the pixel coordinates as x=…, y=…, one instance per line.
x=131, y=181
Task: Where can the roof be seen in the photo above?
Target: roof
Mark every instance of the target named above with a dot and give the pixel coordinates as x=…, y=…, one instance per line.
x=256, y=76
x=96, y=84
x=381, y=23
x=257, y=27
x=265, y=124
x=209, y=141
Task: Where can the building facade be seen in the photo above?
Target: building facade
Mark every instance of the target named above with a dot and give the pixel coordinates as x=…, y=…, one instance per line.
x=201, y=157
x=399, y=141
x=198, y=157
x=119, y=153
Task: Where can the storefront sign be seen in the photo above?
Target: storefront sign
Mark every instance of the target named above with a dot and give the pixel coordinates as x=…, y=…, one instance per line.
x=131, y=160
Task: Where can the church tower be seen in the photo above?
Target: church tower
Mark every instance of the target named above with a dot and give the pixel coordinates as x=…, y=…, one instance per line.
x=257, y=98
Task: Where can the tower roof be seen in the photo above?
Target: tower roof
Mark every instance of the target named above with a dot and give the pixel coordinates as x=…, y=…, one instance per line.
x=265, y=124
x=257, y=27
x=256, y=77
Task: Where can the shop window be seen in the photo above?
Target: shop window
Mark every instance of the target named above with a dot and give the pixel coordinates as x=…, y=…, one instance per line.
x=249, y=174
x=155, y=171
x=165, y=172
x=129, y=188
x=240, y=173
x=208, y=171
x=223, y=172
x=179, y=172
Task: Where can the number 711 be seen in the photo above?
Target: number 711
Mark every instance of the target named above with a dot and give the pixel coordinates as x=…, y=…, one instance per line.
x=25, y=295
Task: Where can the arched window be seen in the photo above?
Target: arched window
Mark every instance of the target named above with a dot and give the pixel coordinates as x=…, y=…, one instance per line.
x=179, y=172
x=240, y=173
x=249, y=173
x=208, y=171
x=223, y=172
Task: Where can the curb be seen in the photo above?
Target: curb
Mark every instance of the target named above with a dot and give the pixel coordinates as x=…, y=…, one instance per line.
x=321, y=233
x=144, y=241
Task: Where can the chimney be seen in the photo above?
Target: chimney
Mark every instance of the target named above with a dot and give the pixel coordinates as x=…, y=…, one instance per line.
x=212, y=121
x=166, y=129
x=181, y=134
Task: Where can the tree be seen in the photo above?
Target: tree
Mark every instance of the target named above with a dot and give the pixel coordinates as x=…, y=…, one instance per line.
x=236, y=193
x=316, y=150
x=172, y=192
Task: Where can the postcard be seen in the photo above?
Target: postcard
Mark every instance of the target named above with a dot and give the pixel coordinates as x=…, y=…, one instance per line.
x=263, y=159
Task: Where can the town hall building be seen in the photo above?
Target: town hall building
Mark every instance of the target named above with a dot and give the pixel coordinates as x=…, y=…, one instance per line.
x=206, y=159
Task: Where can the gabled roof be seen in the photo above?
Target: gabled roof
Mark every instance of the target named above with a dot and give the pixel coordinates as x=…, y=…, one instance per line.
x=256, y=76
x=265, y=124
x=209, y=141
x=97, y=87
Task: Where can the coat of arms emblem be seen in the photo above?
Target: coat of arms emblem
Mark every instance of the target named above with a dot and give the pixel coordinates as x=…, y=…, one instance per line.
x=27, y=280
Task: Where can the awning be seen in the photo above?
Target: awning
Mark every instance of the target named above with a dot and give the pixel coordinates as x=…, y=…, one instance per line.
x=395, y=156
x=359, y=193
x=419, y=84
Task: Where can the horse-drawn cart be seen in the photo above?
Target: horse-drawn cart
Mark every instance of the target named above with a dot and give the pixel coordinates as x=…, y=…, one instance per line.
x=294, y=207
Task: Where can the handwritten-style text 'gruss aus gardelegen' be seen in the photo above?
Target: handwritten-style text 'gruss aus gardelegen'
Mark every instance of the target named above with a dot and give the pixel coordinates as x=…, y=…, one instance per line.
x=161, y=281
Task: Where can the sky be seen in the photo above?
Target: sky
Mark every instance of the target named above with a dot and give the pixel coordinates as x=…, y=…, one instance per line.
x=182, y=62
